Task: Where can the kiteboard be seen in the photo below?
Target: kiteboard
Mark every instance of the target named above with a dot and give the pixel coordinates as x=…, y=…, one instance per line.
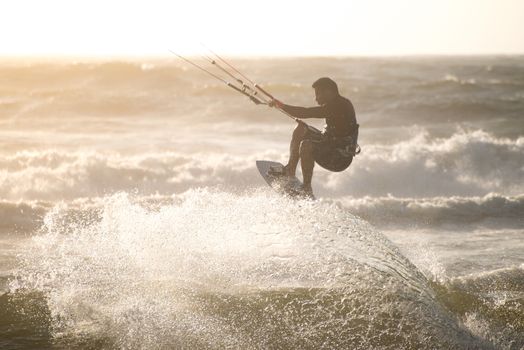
x=287, y=185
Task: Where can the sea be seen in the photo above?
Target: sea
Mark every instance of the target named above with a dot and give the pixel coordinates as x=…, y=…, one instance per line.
x=132, y=215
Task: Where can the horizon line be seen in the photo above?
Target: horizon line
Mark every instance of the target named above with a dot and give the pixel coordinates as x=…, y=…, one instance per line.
x=250, y=56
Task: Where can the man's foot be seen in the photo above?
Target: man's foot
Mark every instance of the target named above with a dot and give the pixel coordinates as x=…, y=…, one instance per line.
x=307, y=189
x=306, y=192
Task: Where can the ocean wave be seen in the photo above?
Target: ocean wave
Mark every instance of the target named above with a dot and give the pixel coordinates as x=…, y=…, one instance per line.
x=390, y=211
x=56, y=175
x=385, y=92
x=191, y=274
x=22, y=216
x=467, y=164
x=41, y=75
x=490, y=303
x=492, y=210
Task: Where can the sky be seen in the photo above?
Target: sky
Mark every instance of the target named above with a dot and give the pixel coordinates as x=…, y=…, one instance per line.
x=265, y=28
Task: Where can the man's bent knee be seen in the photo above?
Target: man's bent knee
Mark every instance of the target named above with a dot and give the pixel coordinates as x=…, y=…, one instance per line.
x=300, y=131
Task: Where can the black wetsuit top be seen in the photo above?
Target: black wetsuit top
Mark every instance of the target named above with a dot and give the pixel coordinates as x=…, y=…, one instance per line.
x=339, y=115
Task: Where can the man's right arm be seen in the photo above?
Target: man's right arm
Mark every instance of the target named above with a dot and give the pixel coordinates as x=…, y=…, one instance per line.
x=304, y=112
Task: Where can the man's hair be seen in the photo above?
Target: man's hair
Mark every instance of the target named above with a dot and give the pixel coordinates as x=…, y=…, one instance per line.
x=325, y=83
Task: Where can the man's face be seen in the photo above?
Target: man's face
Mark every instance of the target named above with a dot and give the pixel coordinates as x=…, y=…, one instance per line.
x=322, y=96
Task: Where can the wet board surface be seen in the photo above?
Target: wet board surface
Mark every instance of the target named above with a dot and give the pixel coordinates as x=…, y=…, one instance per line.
x=282, y=184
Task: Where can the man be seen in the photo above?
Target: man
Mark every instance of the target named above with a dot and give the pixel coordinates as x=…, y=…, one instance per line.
x=333, y=148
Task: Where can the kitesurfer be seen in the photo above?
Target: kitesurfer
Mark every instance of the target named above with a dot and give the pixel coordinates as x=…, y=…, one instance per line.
x=334, y=147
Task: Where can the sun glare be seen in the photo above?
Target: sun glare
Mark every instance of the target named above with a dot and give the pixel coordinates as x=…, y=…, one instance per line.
x=330, y=27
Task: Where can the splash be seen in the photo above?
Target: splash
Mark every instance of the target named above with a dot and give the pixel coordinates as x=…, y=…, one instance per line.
x=211, y=269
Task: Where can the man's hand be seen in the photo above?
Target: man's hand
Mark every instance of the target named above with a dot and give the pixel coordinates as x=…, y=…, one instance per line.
x=275, y=103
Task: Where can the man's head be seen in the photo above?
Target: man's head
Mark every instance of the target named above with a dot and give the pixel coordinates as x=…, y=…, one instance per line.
x=325, y=90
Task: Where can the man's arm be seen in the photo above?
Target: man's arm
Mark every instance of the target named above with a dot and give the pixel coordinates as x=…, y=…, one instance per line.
x=305, y=112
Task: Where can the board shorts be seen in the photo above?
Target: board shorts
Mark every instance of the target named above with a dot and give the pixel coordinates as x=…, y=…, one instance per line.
x=327, y=152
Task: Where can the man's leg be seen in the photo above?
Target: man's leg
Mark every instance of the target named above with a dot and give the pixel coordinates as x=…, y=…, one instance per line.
x=307, y=162
x=294, y=148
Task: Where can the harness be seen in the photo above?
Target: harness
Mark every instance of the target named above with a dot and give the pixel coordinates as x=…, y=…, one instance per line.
x=347, y=146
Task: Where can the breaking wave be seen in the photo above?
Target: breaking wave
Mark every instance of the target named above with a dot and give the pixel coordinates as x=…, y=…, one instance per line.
x=466, y=164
